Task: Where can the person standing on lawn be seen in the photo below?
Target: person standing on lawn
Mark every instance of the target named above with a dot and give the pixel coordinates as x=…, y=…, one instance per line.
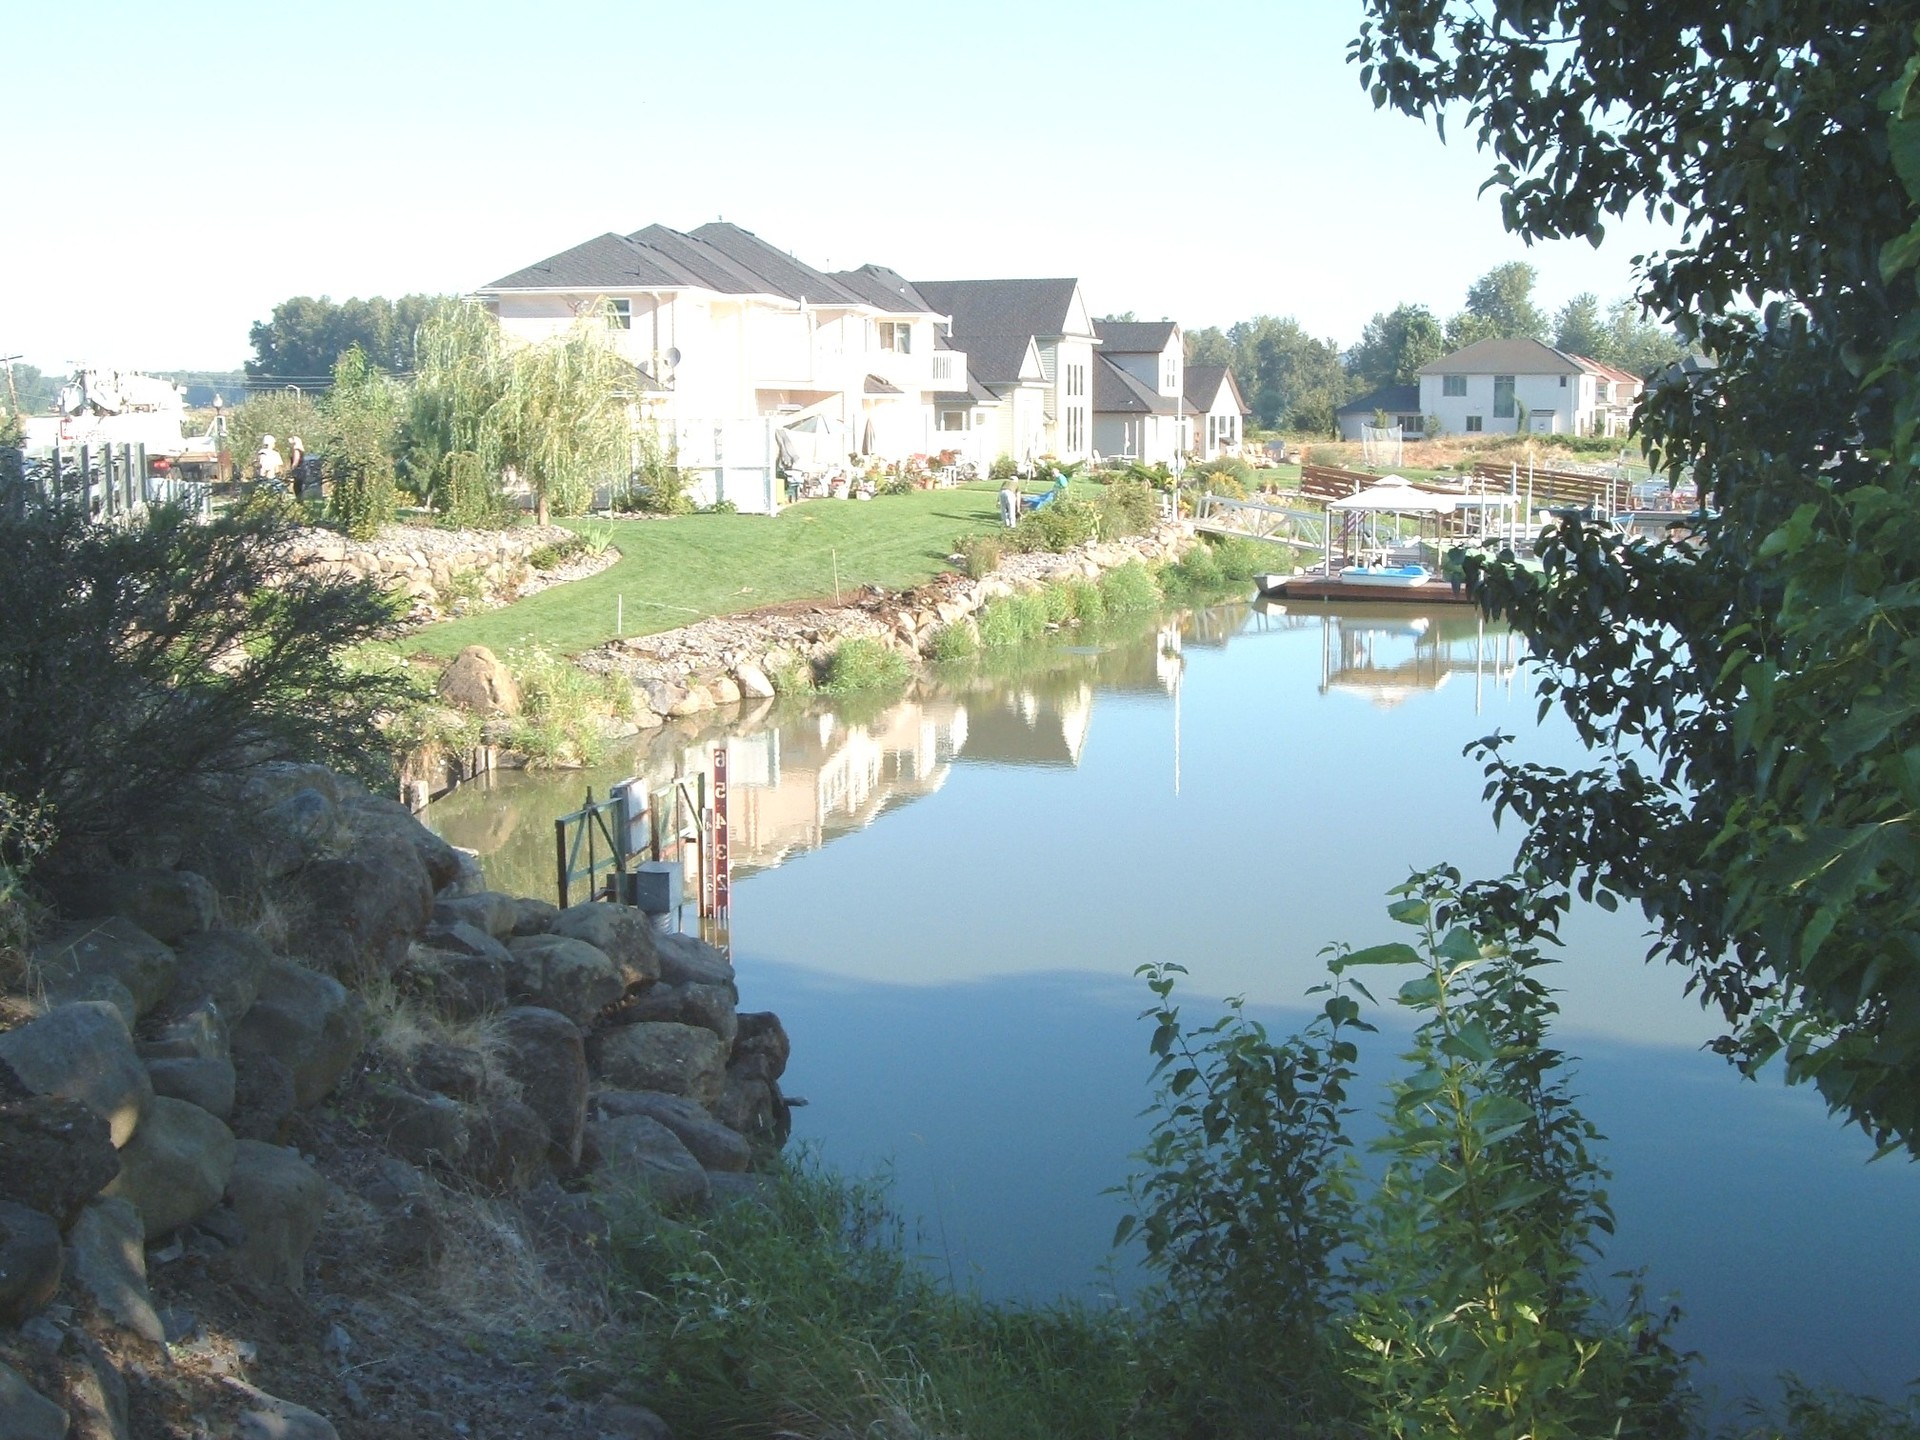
x=1009, y=503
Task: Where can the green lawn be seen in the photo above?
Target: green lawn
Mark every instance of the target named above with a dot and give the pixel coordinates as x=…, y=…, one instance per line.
x=672, y=572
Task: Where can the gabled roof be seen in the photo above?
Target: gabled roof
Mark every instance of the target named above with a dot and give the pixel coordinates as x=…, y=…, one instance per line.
x=1115, y=392
x=886, y=290
x=876, y=386
x=1394, y=399
x=1203, y=384
x=997, y=317
x=782, y=274
x=1609, y=372
x=606, y=262
x=1504, y=357
x=1135, y=337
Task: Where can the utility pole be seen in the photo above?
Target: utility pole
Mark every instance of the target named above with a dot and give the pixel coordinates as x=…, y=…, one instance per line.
x=13, y=395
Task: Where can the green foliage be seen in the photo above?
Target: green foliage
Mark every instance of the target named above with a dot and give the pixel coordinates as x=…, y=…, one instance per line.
x=1810, y=1413
x=863, y=664
x=958, y=641
x=1082, y=602
x=1003, y=468
x=305, y=338
x=1055, y=527
x=1473, y=1313
x=1012, y=620
x=1500, y=306
x=36, y=392
x=143, y=665
x=1751, y=697
x=1129, y=589
x=1128, y=505
x=791, y=675
x=1623, y=336
x=25, y=835
x=563, y=708
x=804, y=1313
x=555, y=553
x=1214, y=565
x=1453, y=1297
x=657, y=484
x=360, y=424
x=1225, y=476
x=1244, y=1203
x=13, y=434
x=980, y=555
x=1394, y=346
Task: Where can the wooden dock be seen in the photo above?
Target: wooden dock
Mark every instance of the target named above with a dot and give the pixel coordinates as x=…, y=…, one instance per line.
x=1433, y=594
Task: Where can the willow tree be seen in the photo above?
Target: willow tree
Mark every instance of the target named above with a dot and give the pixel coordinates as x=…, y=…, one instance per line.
x=553, y=412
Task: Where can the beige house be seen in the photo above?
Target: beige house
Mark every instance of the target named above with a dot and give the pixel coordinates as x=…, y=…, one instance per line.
x=1218, y=410
x=1140, y=409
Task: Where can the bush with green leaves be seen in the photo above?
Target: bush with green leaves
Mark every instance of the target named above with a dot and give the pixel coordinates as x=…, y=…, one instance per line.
x=980, y=555
x=862, y=664
x=1012, y=620
x=1003, y=468
x=1126, y=506
x=958, y=641
x=360, y=429
x=1453, y=1295
x=1130, y=589
x=564, y=709
x=1055, y=527
x=142, y=665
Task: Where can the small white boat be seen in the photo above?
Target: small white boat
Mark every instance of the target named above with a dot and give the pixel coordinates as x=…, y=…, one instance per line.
x=1398, y=577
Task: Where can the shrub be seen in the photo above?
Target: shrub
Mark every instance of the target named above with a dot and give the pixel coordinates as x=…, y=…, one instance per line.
x=1127, y=507
x=1130, y=589
x=563, y=708
x=980, y=555
x=1012, y=620
x=657, y=485
x=468, y=497
x=279, y=413
x=142, y=665
x=1003, y=468
x=958, y=641
x=791, y=675
x=1055, y=527
x=1085, y=602
x=864, y=664
x=555, y=553
x=360, y=428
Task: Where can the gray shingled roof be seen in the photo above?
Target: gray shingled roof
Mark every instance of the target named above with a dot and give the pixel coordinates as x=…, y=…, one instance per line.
x=1115, y=392
x=1134, y=337
x=606, y=262
x=994, y=319
x=1394, y=399
x=876, y=386
x=780, y=272
x=1203, y=384
x=885, y=289
x=1504, y=357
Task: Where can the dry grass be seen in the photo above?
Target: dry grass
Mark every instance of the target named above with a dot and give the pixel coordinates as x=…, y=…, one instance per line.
x=400, y=1026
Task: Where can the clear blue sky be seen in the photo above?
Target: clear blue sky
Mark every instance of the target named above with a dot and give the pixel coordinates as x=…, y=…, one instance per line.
x=181, y=169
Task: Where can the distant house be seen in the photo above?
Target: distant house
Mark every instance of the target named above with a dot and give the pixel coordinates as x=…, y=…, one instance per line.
x=1029, y=347
x=1400, y=404
x=1140, y=410
x=1504, y=386
x=1218, y=409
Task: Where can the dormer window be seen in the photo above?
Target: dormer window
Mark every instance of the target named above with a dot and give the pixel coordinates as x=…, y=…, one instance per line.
x=1170, y=376
x=897, y=336
x=619, y=314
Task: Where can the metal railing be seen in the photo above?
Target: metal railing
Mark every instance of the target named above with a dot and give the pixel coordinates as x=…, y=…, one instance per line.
x=1250, y=520
x=112, y=482
x=606, y=839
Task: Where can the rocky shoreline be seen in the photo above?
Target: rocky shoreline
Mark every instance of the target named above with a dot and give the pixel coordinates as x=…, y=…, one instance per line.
x=245, y=1142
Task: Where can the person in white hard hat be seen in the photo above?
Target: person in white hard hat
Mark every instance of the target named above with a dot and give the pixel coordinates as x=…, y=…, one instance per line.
x=267, y=463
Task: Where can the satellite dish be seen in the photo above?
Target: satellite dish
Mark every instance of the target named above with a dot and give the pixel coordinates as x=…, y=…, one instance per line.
x=672, y=356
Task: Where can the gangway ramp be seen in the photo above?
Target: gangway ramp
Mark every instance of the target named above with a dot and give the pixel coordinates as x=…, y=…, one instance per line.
x=1251, y=520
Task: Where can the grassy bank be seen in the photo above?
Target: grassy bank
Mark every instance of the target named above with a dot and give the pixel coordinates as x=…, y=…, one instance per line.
x=673, y=572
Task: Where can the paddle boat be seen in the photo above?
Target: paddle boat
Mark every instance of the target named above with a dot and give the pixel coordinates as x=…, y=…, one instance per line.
x=1397, y=577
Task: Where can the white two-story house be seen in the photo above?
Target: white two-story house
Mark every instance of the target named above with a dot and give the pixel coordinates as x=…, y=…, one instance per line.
x=1505, y=386
x=1030, y=358
x=732, y=338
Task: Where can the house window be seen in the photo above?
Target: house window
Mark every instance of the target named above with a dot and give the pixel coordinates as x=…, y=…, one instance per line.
x=619, y=314
x=1503, y=397
x=1563, y=382
x=1453, y=385
x=953, y=419
x=1170, y=379
x=1411, y=424
x=897, y=336
x=1473, y=424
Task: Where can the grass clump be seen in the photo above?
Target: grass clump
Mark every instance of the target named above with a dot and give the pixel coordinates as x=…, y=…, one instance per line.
x=791, y=675
x=864, y=664
x=555, y=553
x=1130, y=589
x=980, y=555
x=805, y=1314
x=1012, y=620
x=1083, y=602
x=958, y=641
x=1215, y=565
x=564, y=709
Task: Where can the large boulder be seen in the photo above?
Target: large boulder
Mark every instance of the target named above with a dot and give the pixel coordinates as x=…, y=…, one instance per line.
x=77, y=955
x=761, y=1046
x=477, y=681
x=197, y=1032
x=27, y=1414
x=354, y=915
x=267, y=1417
x=507, y=1146
x=263, y=1097
x=714, y=1145
x=570, y=976
x=107, y=1259
x=280, y=1199
x=55, y=1153
x=460, y=938
x=30, y=1262
x=689, y=960
x=533, y=916
x=624, y=933
x=224, y=966
x=634, y=1150
x=672, y=1058
x=207, y=1082
x=176, y=1166
x=370, y=816
x=456, y=984
x=309, y=1022
x=488, y=911
x=755, y=1107
x=542, y=1053
x=83, y=1052
x=422, y=1128
x=167, y=904
x=709, y=1006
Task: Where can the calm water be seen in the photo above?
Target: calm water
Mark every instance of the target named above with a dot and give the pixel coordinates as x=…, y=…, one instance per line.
x=946, y=897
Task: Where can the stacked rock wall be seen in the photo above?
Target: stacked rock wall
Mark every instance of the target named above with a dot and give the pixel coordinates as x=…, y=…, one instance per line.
x=150, y=1101
x=431, y=566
